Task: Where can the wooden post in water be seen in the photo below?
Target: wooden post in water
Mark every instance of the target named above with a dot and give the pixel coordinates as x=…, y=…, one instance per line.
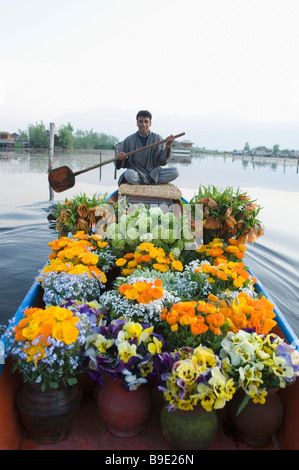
x=51, y=154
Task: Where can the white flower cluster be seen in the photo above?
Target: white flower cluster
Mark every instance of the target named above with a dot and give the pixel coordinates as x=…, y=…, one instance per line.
x=61, y=286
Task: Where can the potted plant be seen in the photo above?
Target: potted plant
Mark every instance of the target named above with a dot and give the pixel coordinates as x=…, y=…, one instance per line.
x=121, y=354
x=259, y=365
x=194, y=323
x=149, y=256
x=77, y=268
x=47, y=349
x=80, y=213
x=194, y=385
x=138, y=298
x=228, y=214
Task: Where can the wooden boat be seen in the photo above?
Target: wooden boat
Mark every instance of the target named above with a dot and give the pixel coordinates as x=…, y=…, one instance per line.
x=89, y=432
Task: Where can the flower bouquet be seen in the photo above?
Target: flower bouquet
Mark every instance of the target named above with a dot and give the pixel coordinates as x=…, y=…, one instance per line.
x=138, y=298
x=227, y=279
x=190, y=377
x=257, y=363
x=80, y=213
x=218, y=251
x=148, y=256
x=228, y=214
x=194, y=323
x=245, y=311
x=123, y=350
x=76, y=268
x=47, y=345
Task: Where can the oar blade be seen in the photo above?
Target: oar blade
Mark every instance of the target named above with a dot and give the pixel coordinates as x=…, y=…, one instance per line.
x=61, y=179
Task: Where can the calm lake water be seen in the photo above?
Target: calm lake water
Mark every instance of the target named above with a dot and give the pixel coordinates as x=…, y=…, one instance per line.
x=25, y=231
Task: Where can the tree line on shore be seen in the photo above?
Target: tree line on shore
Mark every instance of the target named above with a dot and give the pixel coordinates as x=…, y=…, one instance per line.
x=36, y=135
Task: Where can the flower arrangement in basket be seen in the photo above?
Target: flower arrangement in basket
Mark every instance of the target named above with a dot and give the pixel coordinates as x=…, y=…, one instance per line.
x=123, y=350
x=47, y=345
x=191, y=377
x=257, y=363
x=77, y=268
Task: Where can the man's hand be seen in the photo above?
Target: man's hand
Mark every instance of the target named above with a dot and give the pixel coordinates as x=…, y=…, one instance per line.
x=169, y=141
x=121, y=156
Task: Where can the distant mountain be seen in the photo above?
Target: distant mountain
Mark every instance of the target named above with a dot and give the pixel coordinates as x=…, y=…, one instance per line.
x=216, y=133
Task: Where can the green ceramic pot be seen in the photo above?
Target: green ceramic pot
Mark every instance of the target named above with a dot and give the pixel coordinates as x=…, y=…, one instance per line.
x=189, y=430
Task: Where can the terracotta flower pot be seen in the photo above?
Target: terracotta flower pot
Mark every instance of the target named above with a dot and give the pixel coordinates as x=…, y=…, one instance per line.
x=47, y=415
x=124, y=412
x=256, y=423
x=189, y=430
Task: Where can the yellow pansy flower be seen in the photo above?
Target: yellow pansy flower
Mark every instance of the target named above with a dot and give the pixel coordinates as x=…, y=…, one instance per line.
x=155, y=346
x=126, y=350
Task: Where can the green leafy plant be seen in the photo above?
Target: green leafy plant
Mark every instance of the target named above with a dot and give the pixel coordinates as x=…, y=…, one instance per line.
x=78, y=213
x=228, y=214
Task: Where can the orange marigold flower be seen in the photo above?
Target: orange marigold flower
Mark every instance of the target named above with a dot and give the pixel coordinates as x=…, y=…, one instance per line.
x=145, y=259
x=171, y=319
x=156, y=292
x=129, y=256
x=213, y=298
x=215, y=321
x=123, y=288
x=164, y=313
x=132, y=264
x=222, y=275
x=215, y=252
x=233, y=241
x=199, y=328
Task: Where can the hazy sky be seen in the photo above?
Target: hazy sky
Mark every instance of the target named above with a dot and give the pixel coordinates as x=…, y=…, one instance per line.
x=210, y=59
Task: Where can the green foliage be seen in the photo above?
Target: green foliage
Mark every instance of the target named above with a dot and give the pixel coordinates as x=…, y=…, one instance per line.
x=66, y=138
x=38, y=136
x=93, y=140
x=77, y=214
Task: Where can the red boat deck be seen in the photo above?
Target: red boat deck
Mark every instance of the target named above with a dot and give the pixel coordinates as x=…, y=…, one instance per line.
x=89, y=433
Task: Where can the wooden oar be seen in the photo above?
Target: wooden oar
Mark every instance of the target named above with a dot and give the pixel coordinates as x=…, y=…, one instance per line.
x=62, y=178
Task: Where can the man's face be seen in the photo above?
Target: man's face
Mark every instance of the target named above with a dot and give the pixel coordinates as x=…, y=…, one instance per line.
x=144, y=124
